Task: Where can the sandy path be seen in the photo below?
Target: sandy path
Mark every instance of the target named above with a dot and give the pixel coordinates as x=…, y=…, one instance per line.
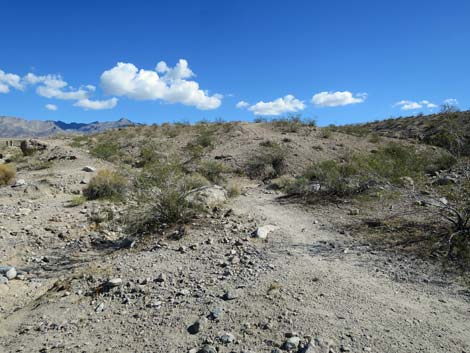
x=351, y=301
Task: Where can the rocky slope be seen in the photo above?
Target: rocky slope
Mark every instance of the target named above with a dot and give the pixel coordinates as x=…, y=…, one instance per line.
x=212, y=285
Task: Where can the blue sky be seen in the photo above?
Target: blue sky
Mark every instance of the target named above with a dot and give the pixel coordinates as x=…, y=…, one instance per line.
x=336, y=61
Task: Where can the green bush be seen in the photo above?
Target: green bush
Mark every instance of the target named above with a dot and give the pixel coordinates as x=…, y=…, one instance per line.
x=106, y=150
x=289, y=124
x=161, y=198
x=195, y=181
x=213, y=171
x=106, y=185
x=388, y=164
x=326, y=132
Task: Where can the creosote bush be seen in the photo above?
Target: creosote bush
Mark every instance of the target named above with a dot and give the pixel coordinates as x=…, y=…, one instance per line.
x=106, y=185
x=161, y=198
x=106, y=150
x=7, y=173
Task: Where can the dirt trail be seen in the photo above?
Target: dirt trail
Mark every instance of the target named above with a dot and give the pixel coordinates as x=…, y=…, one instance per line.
x=341, y=297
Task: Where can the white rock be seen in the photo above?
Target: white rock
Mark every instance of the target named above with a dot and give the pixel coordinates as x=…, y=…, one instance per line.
x=207, y=196
x=227, y=338
x=262, y=232
x=11, y=273
x=89, y=169
x=19, y=182
x=114, y=282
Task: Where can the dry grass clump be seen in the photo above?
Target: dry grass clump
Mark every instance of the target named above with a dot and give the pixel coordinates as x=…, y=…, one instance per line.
x=7, y=174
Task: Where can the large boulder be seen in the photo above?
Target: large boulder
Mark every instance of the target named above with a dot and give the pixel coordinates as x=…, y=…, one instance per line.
x=29, y=147
x=207, y=197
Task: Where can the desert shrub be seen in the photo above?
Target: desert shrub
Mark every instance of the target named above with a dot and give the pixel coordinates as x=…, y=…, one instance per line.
x=260, y=119
x=106, y=185
x=233, y=190
x=454, y=210
x=268, y=162
x=76, y=201
x=150, y=153
x=451, y=138
x=374, y=138
x=284, y=182
x=195, y=181
x=79, y=141
x=359, y=172
x=394, y=161
x=309, y=122
x=354, y=130
x=213, y=171
x=289, y=124
x=7, y=174
x=326, y=132
x=171, y=130
x=39, y=165
x=204, y=140
x=161, y=199
x=106, y=150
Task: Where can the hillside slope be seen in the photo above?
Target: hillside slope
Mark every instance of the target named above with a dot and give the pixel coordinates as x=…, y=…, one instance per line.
x=448, y=130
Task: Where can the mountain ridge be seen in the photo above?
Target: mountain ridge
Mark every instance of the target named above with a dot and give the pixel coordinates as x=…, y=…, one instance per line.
x=20, y=127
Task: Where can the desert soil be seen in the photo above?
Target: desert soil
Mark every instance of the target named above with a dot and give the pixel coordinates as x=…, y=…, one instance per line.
x=307, y=279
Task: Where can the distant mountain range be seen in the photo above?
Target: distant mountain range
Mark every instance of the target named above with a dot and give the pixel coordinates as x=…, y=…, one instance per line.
x=18, y=127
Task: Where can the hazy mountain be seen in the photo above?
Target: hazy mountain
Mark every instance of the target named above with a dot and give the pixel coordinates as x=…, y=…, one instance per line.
x=18, y=127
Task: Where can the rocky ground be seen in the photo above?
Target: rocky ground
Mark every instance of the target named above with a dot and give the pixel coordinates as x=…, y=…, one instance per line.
x=215, y=285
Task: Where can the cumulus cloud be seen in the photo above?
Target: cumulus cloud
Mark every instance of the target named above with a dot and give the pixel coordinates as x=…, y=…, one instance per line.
x=9, y=80
x=451, y=101
x=53, y=86
x=411, y=105
x=242, y=105
x=286, y=104
x=51, y=107
x=335, y=99
x=164, y=83
x=96, y=104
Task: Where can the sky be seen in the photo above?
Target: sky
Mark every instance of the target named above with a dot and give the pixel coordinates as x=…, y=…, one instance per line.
x=164, y=61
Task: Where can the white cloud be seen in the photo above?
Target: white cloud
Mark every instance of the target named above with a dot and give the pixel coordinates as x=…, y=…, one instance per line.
x=52, y=107
x=53, y=86
x=335, y=99
x=171, y=86
x=428, y=104
x=286, y=104
x=451, y=101
x=9, y=80
x=96, y=104
x=242, y=105
x=411, y=105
